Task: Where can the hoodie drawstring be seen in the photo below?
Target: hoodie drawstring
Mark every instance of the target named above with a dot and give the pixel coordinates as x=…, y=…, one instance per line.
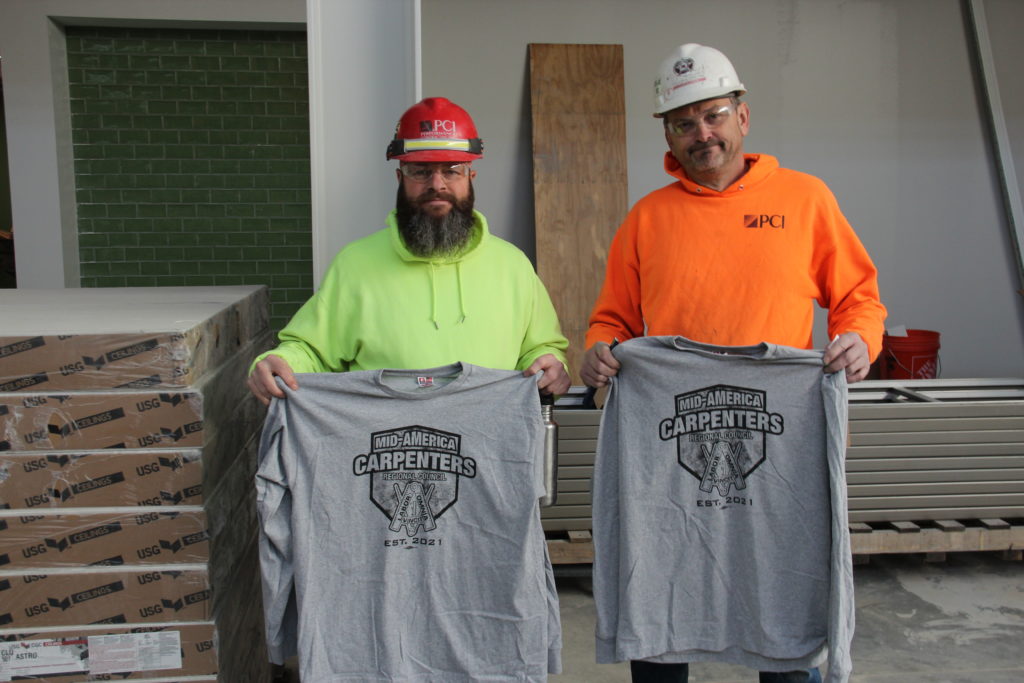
x=433, y=297
x=433, y=294
x=462, y=296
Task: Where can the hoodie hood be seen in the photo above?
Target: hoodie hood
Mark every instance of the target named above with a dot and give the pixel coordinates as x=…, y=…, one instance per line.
x=759, y=167
x=479, y=234
x=434, y=263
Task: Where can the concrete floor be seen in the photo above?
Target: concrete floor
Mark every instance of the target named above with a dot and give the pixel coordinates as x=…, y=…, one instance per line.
x=956, y=621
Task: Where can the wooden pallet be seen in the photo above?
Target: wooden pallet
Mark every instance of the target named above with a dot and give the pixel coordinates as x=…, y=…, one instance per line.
x=936, y=538
x=571, y=547
x=932, y=538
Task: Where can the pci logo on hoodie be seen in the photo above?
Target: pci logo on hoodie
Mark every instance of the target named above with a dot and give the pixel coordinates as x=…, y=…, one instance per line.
x=414, y=475
x=720, y=434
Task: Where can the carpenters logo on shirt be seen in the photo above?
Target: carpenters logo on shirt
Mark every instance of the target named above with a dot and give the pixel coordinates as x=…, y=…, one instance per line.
x=720, y=434
x=414, y=475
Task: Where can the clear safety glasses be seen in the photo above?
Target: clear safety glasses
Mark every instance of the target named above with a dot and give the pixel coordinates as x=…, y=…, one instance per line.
x=711, y=118
x=422, y=173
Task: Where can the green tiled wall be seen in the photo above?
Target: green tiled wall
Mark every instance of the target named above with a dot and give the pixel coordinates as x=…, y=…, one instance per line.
x=192, y=159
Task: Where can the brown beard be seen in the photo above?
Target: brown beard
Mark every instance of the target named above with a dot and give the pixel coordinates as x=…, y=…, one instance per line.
x=428, y=236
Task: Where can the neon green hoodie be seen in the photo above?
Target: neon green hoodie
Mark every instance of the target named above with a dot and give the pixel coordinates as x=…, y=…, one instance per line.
x=379, y=306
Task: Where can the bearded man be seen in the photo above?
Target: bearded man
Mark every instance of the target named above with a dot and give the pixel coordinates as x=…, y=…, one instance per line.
x=432, y=288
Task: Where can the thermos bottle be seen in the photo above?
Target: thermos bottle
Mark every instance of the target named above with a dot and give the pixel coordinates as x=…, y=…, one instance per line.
x=547, y=406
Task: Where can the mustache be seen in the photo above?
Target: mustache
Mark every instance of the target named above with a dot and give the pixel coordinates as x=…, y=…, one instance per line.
x=701, y=146
x=430, y=194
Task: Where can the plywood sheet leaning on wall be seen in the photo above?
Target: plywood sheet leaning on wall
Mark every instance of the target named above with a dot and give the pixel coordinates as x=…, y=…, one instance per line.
x=579, y=174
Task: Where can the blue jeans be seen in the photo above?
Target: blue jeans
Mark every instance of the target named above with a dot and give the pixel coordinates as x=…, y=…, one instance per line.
x=650, y=672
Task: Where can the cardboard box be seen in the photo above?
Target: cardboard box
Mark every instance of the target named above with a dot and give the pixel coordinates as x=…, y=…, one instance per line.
x=120, y=537
x=105, y=479
x=114, y=429
x=95, y=420
x=92, y=653
x=72, y=339
x=31, y=601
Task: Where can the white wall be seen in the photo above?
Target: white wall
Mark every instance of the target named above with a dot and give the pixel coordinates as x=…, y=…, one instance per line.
x=877, y=97
x=364, y=72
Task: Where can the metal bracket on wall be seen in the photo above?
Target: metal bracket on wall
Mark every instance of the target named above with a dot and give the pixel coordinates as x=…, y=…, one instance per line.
x=1010, y=190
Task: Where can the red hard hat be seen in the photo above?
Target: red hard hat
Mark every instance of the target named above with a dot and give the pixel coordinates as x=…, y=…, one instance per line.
x=435, y=129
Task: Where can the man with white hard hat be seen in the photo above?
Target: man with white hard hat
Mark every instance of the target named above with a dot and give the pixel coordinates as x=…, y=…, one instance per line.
x=702, y=240
x=432, y=288
x=734, y=252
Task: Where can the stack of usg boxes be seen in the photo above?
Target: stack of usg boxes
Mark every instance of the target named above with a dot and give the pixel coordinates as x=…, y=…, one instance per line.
x=128, y=446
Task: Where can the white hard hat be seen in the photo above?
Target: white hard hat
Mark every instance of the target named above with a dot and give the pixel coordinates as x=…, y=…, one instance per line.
x=693, y=73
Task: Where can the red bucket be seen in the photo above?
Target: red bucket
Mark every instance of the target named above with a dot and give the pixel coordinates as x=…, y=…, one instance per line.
x=915, y=356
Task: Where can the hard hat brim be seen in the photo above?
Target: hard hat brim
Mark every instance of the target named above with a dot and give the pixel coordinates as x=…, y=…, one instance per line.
x=701, y=97
x=429, y=155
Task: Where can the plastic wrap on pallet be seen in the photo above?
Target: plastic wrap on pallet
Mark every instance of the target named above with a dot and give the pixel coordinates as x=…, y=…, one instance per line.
x=101, y=479
x=111, y=538
x=167, y=337
x=33, y=601
x=240, y=622
x=86, y=420
x=231, y=517
x=103, y=653
x=106, y=419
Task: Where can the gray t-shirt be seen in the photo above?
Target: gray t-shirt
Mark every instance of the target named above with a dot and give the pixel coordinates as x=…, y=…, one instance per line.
x=720, y=514
x=400, y=531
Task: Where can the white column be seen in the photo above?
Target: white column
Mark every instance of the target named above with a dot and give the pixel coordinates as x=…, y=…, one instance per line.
x=39, y=153
x=364, y=71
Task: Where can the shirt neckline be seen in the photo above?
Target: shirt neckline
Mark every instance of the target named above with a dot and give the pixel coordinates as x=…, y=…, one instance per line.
x=461, y=370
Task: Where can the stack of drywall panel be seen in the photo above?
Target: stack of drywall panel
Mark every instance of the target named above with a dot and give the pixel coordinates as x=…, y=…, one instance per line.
x=920, y=450
x=943, y=449
x=577, y=446
x=127, y=452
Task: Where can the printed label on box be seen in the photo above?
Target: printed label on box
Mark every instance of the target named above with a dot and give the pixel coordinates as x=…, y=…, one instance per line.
x=134, y=652
x=42, y=657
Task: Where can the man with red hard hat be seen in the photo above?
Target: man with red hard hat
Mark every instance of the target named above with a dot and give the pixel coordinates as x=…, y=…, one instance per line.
x=433, y=287
x=432, y=290
x=733, y=253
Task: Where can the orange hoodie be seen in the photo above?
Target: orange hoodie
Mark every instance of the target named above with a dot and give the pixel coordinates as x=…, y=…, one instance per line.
x=740, y=266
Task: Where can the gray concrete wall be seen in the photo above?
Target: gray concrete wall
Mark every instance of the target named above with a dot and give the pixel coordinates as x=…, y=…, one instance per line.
x=877, y=97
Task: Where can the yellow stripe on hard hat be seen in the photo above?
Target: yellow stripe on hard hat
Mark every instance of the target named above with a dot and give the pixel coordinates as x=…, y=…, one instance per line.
x=436, y=144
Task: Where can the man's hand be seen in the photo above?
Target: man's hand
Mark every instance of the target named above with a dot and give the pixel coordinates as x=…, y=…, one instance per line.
x=848, y=352
x=555, y=380
x=261, y=379
x=598, y=365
